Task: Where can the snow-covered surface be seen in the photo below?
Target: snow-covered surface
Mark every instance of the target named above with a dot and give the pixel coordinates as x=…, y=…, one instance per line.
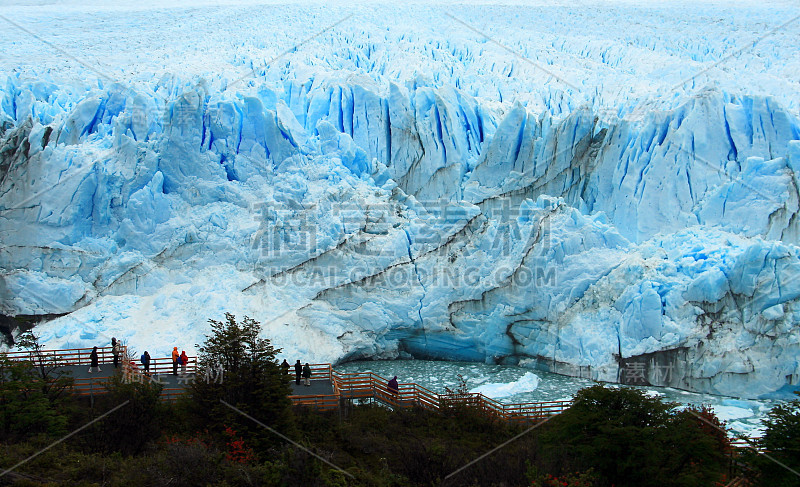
x=400, y=185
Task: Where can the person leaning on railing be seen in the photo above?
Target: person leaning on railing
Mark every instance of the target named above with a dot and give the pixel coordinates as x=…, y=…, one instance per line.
x=285, y=368
x=146, y=362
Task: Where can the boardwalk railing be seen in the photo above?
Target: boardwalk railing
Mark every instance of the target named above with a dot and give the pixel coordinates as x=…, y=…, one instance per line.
x=368, y=385
x=81, y=356
x=359, y=385
x=72, y=356
x=83, y=386
x=163, y=365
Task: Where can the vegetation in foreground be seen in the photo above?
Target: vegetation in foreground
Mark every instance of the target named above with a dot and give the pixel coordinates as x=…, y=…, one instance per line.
x=611, y=436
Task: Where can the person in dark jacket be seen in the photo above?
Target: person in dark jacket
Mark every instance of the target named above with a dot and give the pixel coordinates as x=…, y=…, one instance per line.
x=393, y=386
x=285, y=368
x=146, y=362
x=94, y=361
x=115, y=351
x=298, y=370
x=307, y=374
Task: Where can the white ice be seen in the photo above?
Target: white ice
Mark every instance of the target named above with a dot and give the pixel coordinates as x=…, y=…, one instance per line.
x=527, y=383
x=399, y=185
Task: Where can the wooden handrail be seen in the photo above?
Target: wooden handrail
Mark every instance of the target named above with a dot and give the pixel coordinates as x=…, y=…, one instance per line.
x=161, y=365
x=75, y=356
x=354, y=384
x=345, y=384
x=357, y=384
x=80, y=356
x=372, y=385
x=59, y=351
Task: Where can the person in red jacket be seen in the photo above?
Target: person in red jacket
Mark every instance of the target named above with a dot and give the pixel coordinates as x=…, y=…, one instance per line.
x=175, y=356
x=184, y=361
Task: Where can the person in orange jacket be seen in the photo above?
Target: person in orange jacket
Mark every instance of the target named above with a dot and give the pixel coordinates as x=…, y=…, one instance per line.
x=175, y=356
x=184, y=361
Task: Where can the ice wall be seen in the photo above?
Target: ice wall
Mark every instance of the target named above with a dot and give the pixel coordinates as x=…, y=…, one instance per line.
x=368, y=220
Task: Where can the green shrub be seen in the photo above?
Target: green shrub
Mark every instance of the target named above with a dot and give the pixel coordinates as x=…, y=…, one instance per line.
x=128, y=430
x=782, y=442
x=630, y=439
x=25, y=408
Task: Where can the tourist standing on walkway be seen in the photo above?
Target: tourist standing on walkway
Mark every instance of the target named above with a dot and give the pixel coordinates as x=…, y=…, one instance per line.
x=146, y=362
x=307, y=374
x=298, y=370
x=285, y=368
x=175, y=357
x=94, y=361
x=184, y=361
x=394, y=387
x=115, y=351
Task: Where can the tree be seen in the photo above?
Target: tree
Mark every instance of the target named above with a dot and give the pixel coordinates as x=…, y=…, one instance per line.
x=782, y=440
x=54, y=380
x=239, y=367
x=699, y=444
x=33, y=395
x=631, y=439
x=25, y=410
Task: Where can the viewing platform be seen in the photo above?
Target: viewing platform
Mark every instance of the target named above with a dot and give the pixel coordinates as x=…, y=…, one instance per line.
x=76, y=362
x=370, y=387
x=329, y=389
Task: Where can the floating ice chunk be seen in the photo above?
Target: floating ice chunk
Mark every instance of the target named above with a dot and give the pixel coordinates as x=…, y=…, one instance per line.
x=747, y=429
x=730, y=413
x=527, y=383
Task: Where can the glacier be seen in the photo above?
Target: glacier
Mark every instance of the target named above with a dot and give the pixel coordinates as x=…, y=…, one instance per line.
x=393, y=191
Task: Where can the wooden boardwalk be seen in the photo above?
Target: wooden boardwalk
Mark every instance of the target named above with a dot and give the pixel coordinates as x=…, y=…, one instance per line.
x=368, y=386
x=327, y=390
x=76, y=362
x=318, y=387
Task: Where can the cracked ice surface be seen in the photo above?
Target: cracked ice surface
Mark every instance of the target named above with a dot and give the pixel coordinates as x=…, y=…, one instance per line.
x=405, y=187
